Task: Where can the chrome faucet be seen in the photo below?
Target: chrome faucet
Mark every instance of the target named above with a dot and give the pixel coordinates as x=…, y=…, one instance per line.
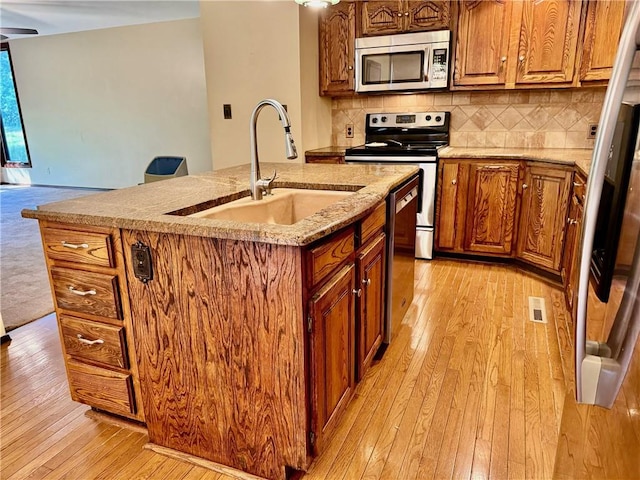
x=259, y=186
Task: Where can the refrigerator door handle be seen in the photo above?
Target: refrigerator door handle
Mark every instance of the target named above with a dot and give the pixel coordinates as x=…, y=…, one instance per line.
x=593, y=367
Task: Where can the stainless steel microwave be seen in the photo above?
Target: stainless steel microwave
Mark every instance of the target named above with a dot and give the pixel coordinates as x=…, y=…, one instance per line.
x=410, y=61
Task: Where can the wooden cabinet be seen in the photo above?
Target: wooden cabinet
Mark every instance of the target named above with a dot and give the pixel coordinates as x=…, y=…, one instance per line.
x=603, y=26
x=517, y=43
x=482, y=42
x=332, y=159
x=86, y=271
x=337, y=51
x=491, y=207
x=401, y=16
x=569, y=269
x=371, y=302
x=332, y=348
x=545, y=201
x=476, y=206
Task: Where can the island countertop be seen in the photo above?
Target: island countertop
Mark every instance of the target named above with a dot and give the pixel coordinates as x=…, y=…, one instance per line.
x=149, y=206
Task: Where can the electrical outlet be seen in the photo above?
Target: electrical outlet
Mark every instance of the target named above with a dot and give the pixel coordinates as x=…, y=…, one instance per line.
x=593, y=129
x=348, y=130
x=226, y=110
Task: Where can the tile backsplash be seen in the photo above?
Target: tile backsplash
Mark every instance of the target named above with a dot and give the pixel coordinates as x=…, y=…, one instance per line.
x=524, y=118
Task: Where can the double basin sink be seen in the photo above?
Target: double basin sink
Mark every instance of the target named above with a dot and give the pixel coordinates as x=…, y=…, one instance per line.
x=285, y=206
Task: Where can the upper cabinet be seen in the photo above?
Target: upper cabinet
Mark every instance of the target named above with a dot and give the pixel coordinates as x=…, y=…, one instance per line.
x=603, y=26
x=482, y=42
x=516, y=42
x=337, y=37
x=395, y=16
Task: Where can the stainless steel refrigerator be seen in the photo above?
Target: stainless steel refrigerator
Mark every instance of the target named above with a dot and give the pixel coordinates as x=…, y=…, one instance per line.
x=610, y=248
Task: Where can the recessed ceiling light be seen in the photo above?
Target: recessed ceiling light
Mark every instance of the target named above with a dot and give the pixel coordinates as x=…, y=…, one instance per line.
x=317, y=3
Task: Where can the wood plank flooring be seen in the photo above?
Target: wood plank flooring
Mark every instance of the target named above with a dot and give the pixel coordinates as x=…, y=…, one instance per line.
x=470, y=388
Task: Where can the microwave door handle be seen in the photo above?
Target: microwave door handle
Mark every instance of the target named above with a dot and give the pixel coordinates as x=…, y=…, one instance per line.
x=427, y=62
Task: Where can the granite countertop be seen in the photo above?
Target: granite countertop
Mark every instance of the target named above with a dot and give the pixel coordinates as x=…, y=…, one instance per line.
x=147, y=206
x=579, y=157
x=327, y=151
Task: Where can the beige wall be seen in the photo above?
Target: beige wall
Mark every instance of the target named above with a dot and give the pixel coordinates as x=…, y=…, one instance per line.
x=256, y=50
x=99, y=105
x=536, y=118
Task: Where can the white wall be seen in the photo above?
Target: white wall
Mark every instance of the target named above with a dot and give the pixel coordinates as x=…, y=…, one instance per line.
x=99, y=105
x=256, y=50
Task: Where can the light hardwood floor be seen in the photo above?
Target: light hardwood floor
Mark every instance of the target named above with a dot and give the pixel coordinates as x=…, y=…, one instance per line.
x=470, y=388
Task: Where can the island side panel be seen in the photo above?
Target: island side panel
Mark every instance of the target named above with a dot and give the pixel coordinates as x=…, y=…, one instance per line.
x=220, y=339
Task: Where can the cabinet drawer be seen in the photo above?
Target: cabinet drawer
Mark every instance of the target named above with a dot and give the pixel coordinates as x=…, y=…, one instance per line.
x=373, y=222
x=329, y=254
x=94, y=341
x=101, y=388
x=86, y=292
x=80, y=247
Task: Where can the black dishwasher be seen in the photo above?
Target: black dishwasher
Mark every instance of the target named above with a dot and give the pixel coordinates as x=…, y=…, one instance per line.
x=401, y=218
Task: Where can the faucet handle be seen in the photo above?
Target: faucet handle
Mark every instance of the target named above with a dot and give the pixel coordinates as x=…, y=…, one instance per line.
x=265, y=183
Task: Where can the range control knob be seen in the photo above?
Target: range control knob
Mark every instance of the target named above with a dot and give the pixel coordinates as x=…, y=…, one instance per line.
x=428, y=118
x=374, y=120
x=384, y=119
x=438, y=118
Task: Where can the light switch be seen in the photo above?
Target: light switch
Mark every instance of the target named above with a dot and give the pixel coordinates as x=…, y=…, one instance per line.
x=226, y=108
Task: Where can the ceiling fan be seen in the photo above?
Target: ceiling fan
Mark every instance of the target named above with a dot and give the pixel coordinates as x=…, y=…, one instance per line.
x=16, y=31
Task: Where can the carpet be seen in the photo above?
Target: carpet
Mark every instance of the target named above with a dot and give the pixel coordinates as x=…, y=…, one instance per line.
x=25, y=294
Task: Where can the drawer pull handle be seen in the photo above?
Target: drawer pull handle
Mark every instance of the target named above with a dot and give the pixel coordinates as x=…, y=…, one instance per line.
x=571, y=221
x=578, y=184
x=366, y=282
x=89, y=342
x=357, y=292
x=74, y=245
x=525, y=186
x=82, y=292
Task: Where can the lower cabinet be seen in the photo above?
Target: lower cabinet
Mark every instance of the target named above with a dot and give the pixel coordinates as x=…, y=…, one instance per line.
x=569, y=270
x=477, y=206
x=545, y=200
x=332, y=327
x=504, y=209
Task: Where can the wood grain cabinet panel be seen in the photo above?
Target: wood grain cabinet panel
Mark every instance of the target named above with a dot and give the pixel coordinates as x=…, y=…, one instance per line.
x=548, y=40
x=491, y=207
x=332, y=159
x=102, y=388
x=569, y=272
x=545, y=201
x=370, y=326
x=402, y=16
x=332, y=345
x=373, y=222
x=337, y=25
x=451, y=206
x=482, y=42
x=603, y=26
x=77, y=246
x=94, y=341
x=516, y=43
x=86, y=292
x=329, y=255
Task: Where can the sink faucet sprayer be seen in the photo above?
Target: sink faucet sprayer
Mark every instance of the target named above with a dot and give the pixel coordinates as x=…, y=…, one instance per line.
x=260, y=185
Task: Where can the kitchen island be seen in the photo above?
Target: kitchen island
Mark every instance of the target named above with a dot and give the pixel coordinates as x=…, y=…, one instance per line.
x=236, y=343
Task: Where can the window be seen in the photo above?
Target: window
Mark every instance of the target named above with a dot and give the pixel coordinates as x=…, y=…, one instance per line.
x=15, y=152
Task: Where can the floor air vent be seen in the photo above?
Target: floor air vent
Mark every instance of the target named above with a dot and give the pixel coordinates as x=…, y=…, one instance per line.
x=537, y=310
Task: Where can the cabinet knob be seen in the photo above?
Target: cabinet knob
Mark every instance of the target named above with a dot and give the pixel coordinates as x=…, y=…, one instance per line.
x=357, y=292
x=406, y=14
x=399, y=14
x=350, y=67
x=525, y=186
x=454, y=181
x=366, y=282
x=571, y=221
x=521, y=58
x=503, y=59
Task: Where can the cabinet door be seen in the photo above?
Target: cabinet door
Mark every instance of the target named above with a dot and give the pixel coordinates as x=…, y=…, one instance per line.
x=370, y=265
x=382, y=17
x=545, y=199
x=421, y=16
x=603, y=27
x=337, y=34
x=548, y=40
x=482, y=42
x=451, y=205
x=572, y=240
x=491, y=207
x=332, y=322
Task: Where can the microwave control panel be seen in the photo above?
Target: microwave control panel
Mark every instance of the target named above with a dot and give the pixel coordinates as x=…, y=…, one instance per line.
x=439, y=68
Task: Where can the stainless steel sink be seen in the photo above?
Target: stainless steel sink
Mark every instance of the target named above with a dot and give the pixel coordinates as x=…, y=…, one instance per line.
x=285, y=206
